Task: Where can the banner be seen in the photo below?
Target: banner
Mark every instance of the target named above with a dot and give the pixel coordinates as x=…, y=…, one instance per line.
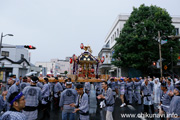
x=2, y=76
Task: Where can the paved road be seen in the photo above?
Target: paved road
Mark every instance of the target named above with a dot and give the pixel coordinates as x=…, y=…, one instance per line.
x=95, y=113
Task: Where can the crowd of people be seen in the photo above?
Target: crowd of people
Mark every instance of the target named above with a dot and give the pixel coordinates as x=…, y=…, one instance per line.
x=155, y=94
x=25, y=97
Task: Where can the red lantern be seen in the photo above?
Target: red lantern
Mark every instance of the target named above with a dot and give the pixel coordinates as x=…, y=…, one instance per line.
x=74, y=57
x=102, y=59
x=70, y=60
x=81, y=46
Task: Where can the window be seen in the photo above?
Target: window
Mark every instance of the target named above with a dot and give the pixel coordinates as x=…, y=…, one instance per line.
x=107, y=44
x=117, y=32
x=5, y=53
x=177, y=31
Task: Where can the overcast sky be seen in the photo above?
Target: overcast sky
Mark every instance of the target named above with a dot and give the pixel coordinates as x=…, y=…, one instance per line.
x=58, y=27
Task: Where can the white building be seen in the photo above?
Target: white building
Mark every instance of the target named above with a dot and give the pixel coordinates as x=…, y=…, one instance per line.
x=55, y=66
x=14, y=61
x=107, y=50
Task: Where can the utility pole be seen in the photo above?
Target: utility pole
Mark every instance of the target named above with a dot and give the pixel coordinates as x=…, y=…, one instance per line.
x=159, y=37
x=172, y=62
x=159, y=40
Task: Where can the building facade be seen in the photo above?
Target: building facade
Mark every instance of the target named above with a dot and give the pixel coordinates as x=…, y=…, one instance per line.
x=14, y=61
x=107, y=50
x=55, y=66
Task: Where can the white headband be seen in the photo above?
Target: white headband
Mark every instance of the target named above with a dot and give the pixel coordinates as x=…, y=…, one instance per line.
x=34, y=81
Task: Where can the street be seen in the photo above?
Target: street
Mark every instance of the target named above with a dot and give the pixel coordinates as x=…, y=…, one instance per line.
x=96, y=113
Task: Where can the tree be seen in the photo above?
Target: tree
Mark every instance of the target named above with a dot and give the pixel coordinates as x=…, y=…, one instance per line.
x=137, y=45
x=65, y=72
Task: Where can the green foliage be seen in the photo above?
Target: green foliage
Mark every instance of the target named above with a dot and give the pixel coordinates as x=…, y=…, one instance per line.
x=137, y=45
x=65, y=72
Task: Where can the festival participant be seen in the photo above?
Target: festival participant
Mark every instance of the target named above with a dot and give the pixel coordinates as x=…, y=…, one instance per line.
x=147, y=93
x=113, y=86
x=169, y=84
x=32, y=95
x=174, y=109
x=129, y=93
x=81, y=103
x=98, y=89
x=68, y=96
x=69, y=80
x=137, y=90
x=3, y=103
x=165, y=100
x=13, y=87
x=57, y=92
x=156, y=92
x=107, y=96
x=87, y=87
x=121, y=87
x=45, y=103
x=24, y=83
x=17, y=102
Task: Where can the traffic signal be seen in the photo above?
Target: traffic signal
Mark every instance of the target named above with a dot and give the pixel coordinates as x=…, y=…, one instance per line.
x=29, y=47
x=154, y=63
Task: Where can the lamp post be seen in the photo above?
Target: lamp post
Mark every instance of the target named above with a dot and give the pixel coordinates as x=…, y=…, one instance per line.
x=172, y=62
x=1, y=40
